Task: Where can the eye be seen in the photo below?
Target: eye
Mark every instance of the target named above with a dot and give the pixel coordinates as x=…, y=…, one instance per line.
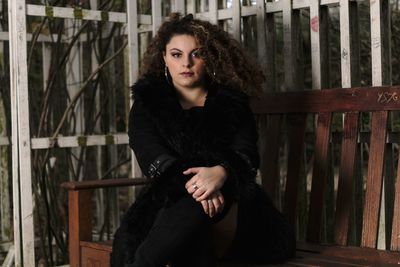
x=176, y=55
x=196, y=54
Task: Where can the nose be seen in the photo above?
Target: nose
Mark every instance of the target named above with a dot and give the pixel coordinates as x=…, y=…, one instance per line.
x=187, y=62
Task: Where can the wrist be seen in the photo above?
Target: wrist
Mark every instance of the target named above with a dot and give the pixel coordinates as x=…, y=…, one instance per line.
x=223, y=170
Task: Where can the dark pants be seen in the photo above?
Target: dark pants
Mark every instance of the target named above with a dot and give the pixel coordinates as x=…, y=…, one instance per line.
x=180, y=235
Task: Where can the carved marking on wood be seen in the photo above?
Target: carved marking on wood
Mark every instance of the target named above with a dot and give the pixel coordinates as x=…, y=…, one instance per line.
x=387, y=97
x=345, y=54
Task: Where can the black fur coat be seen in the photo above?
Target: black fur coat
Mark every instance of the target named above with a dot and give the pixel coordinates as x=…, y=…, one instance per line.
x=166, y=141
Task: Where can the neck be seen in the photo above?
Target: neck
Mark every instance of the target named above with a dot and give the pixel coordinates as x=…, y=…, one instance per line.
x=190, y=97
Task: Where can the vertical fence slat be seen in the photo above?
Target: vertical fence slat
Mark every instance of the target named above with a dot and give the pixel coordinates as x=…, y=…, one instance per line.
x=296, y=140
x=319, y=177
x=315, y=44
x=14, y=146
x=191, y=7
x=291, y=27
x=21, y=135
x=345, y=43
x=179, y=6
x=73, y=78
x=213, y=11
x=261, y=36
x=376, y=43
x=236, y=20
x=133, y=60
x=270, y=53
x=374, y=179
x=156, y=14
x=319, y=45
x=346, y=177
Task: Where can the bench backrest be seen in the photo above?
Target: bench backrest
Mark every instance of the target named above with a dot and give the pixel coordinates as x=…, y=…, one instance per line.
x=291, y=109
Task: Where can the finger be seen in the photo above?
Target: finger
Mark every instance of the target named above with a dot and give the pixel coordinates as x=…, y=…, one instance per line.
x=211, y=208
x=204, y=203
x=200, y=192
x=221, y=197
x=191, y=188
x=191, y=182
x=222, y=201
x=191, y=170
x=203, y=196
x=217, y=204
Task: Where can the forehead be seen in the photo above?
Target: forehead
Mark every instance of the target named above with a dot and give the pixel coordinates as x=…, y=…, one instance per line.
x=182, y=42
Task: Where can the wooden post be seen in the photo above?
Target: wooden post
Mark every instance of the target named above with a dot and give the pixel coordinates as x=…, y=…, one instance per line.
x=80, y=226
x=22, y=176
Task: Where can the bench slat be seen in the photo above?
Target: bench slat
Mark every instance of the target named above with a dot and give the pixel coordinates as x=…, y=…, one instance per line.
x=319, y=177
x=374, y=179
x=270, y=162
x=395, y=243
x=296, y=135
x=346, y=177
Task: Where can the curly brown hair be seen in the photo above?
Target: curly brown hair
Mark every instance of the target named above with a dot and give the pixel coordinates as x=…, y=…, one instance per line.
x=226, y=61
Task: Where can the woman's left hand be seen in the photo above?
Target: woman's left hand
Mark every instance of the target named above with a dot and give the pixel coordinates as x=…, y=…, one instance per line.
x=213, y=205
x=205, y=182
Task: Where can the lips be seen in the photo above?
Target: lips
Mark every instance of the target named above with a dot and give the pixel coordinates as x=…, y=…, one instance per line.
x=187, y=74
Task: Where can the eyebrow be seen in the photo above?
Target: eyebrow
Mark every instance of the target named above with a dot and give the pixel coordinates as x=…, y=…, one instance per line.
x=182, y=51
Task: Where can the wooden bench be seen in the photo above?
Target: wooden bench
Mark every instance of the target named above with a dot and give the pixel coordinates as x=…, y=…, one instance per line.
x=293, y=109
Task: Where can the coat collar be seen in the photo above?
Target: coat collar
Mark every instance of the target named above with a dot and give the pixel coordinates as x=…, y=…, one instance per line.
x=222, y=111
x=157, y=94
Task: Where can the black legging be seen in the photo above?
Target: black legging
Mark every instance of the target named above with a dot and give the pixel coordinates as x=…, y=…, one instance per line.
x=181, y=236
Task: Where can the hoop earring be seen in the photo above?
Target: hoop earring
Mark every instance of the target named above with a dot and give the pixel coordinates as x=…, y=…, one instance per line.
x=213, y=79
x=166, y=74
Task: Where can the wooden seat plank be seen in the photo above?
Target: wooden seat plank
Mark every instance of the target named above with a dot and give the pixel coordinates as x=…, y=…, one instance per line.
x=319, y=177
x=390, y=258
x=346, y=177
x=374, y=179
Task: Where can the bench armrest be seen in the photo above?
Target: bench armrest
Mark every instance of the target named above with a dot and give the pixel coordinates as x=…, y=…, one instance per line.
x=105, y=183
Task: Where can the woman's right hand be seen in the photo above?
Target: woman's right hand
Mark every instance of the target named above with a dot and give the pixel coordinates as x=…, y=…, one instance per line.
x=214, y=204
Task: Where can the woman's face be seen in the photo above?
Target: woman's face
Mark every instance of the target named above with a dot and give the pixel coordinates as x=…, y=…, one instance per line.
x=184, y=63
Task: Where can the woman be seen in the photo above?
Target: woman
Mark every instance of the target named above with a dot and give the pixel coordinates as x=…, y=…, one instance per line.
x=194, y=135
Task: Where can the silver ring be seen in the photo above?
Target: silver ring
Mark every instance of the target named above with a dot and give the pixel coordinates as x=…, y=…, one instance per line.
x=195, y=187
